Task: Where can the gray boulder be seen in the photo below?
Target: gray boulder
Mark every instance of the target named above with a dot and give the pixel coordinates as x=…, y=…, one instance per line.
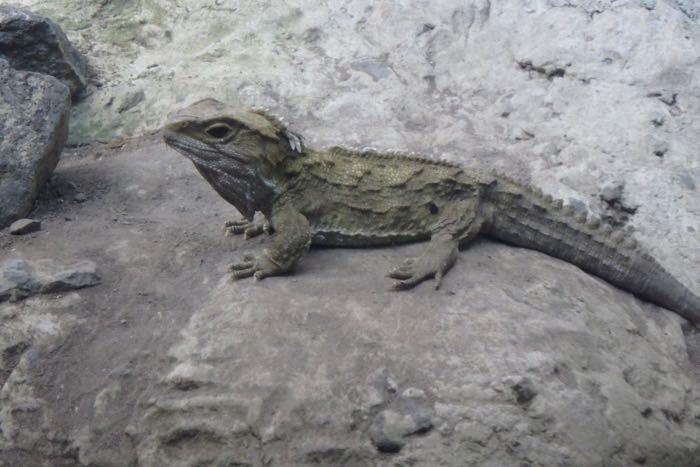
x=20, y=278
x=25, y=226
x=32, y=42
x=34, y=111
x=521, y=360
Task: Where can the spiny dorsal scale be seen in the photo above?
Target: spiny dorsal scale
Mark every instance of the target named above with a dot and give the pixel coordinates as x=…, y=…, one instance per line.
x=548, y=198
x=594, y=222
x=607, y=229
x=370, y=153
x=569, y=210
x=558, y=203
x=630, y=243
x=581, y=217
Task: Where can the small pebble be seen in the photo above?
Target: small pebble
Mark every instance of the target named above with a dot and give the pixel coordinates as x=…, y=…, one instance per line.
x=657, y=119
x=80, y=198
x=524, y=391
x=391, y=385
x=413, y=393
x=612, y=193
x=25, y=226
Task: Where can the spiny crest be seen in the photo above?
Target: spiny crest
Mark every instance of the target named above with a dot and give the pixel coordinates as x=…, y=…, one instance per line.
x=592, y=223
x=506, y=178
x=390, y=155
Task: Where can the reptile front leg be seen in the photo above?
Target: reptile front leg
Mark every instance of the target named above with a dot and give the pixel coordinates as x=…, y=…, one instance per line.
x=291, y=241
x=458, y=225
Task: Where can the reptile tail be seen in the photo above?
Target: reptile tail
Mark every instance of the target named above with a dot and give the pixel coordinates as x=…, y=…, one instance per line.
x=527, y=218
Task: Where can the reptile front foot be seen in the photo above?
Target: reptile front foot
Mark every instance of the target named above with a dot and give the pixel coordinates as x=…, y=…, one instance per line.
x=249, y=229
x=435, y=262
x=256, y=265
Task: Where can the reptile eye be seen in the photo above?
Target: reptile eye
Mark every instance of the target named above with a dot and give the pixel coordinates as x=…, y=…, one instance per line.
x=218, y=130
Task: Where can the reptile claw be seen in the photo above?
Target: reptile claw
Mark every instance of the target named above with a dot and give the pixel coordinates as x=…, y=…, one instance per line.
x=434, y=263
x=247, y=228
x=399, y=274
x=438, y=279
x=257, y=266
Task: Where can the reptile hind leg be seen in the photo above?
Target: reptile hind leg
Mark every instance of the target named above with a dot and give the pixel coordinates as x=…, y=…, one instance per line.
x=435, y=261
x=458, y=225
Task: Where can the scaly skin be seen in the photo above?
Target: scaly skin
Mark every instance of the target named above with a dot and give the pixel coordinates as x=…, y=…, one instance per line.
x=341, y=197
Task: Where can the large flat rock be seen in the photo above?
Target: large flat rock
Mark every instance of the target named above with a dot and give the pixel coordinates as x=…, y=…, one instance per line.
x=518, y=359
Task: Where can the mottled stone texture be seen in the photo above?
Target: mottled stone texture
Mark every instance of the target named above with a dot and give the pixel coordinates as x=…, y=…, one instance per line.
x=520, y=359
x=24, y=226
x=34, y=111
x=20, y=279
x=32, y=42
x=533, y=363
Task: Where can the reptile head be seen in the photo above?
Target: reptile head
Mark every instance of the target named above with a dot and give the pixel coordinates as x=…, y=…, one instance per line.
x=236, y=150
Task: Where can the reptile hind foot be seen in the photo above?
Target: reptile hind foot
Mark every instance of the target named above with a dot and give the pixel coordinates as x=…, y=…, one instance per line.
x=249, y=229
x=258, y=265
x=434, y=262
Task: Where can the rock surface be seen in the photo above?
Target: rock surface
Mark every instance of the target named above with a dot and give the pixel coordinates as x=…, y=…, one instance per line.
x=573, y=95
x=20, y=279
x=34, y=111
x=31, y=42
x=25, y=226
x=520, y=359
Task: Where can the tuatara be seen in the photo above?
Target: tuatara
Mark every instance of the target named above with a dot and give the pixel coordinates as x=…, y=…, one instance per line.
x=343, y=197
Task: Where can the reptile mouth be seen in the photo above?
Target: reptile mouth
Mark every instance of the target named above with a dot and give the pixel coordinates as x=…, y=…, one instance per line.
x=190, y=148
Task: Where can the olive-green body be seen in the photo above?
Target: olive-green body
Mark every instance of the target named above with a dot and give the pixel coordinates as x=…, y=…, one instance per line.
x=342, y=197
x=365, y=198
